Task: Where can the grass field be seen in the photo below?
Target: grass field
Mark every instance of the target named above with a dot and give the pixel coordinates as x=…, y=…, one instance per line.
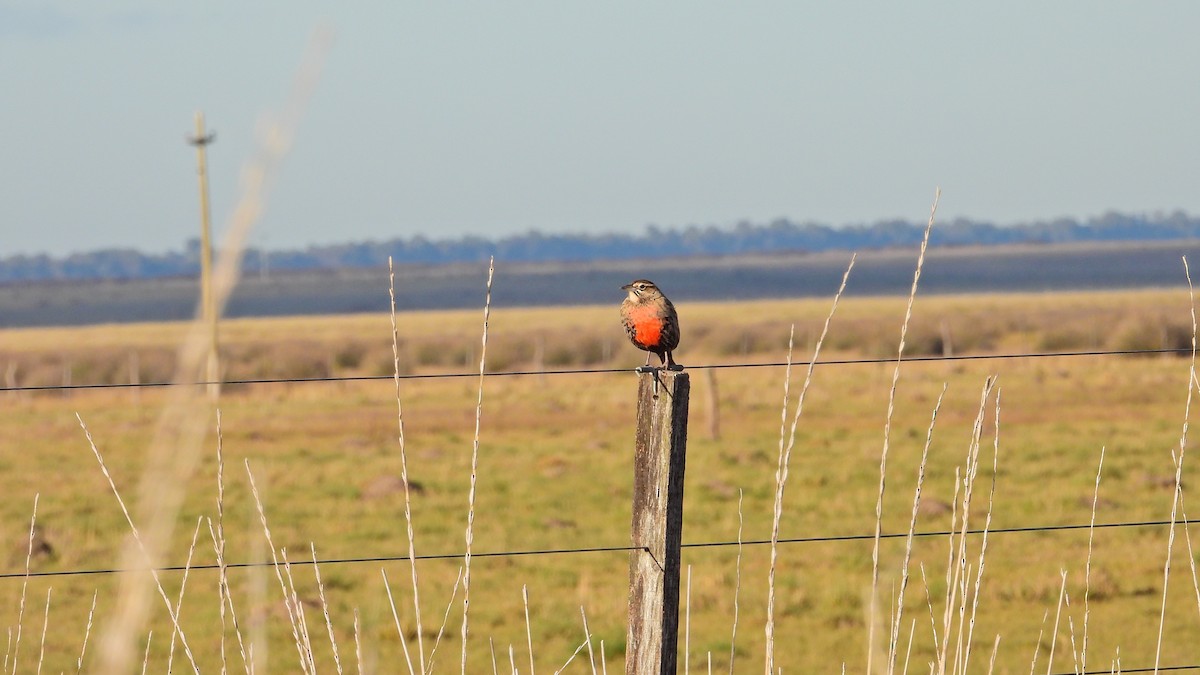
x=555, y=473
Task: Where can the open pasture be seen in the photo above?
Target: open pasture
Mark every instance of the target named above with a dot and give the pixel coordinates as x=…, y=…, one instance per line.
x=554, y=473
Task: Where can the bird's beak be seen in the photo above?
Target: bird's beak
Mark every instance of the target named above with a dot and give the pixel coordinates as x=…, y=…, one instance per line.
x=626, y=287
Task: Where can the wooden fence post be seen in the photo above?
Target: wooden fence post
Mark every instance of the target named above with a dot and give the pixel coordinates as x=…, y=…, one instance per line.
x=659, y=453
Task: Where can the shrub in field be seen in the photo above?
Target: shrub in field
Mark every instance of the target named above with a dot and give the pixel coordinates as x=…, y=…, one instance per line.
x=1136, y=333
x=443, y=350
x=757, y=338
x=593, y=351
x=925, y=341
x=1063, y=339
x=510, y=354
x=561, y=355
x=293, y=359
x=349, y=355
x=383, y=361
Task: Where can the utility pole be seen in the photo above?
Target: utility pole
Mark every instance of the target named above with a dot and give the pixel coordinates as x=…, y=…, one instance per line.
x=208, y=309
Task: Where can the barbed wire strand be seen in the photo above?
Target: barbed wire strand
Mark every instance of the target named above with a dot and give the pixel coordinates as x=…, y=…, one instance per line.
x=608, y=549
x=592, y=371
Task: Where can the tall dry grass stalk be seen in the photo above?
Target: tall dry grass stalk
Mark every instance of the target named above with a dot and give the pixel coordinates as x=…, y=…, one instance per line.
x=987, y=527
x=912, y=632
x=785, y=456
x=288, y=605
x=226, y=598
x=16, y=647
x=87, y=632
x=258, y=648
x=408, y=522
x=305, y=643
x=445, y=620
x=587, y=634
x=887, y=434
x=1071, y=634
x=950, y=567
x=45, y=628
x=470, y=534
x=142, y=546
x=893, y=644
x=358, y=653
x=958, y=571
x=528, y=628
x=146, y=654
x=572, y=657
x=399, y=630
x=737, y=586
x=929, y=604
x=1037, y=645
x=187, y=568
x=218, y=539
x=174, y=452
x=1062, y=594
x=769, y=625
x=337, y=659
x=1187, y=537
x=1177, y=493
x=1087, y=571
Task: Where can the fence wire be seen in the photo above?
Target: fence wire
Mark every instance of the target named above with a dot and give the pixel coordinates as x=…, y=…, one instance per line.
x=609, y=549
x=595, y=371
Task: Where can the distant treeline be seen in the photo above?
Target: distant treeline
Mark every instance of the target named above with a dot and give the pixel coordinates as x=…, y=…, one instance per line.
x=693, y=240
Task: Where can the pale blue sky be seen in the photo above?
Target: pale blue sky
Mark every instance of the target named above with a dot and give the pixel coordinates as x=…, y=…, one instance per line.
x=443, y=118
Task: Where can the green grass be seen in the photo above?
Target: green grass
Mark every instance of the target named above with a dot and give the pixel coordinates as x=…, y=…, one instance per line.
x=555, y=472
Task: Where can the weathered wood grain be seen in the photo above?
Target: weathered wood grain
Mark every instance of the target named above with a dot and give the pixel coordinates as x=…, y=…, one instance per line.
x=659, y=459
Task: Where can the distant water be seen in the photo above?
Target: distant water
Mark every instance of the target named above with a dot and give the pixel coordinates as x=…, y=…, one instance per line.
x=1057, y=267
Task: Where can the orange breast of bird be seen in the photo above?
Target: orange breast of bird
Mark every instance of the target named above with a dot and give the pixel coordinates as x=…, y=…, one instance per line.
x=647, y=326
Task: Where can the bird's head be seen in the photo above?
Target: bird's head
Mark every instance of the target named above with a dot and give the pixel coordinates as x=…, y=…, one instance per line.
x=641, y=290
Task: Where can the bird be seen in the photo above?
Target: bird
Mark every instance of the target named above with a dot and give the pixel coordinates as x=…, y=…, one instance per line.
x=650, y=321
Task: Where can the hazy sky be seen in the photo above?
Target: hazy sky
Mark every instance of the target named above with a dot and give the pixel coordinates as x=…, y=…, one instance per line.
x=443, y=118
